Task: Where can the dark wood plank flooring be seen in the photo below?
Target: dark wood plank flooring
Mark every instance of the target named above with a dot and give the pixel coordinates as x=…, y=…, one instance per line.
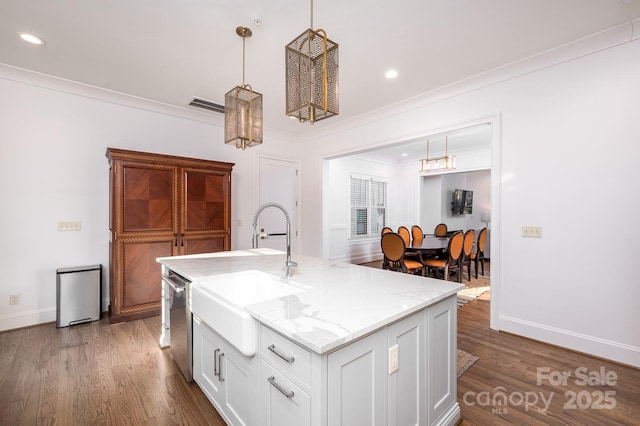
x=97, y=373
x=508, y=366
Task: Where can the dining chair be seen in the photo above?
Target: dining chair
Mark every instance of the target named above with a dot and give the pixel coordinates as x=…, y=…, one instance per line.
x=393, y=249
x=467, y=249
x=416, y=232
x=441, y=230
x=403, y=231
x=452, y=262
x=478, y=255
x=385, y=230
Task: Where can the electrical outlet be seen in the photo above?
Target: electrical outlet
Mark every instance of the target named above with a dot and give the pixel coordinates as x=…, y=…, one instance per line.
x=532, y=231
x=69, y=226
x=393, y=359
x=14, y=299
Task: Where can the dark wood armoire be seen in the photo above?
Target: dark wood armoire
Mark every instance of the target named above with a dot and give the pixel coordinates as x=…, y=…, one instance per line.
x=160, y=205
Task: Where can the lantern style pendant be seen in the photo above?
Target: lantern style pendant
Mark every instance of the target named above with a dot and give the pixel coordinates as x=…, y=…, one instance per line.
x=312, y=76
x=243, y=109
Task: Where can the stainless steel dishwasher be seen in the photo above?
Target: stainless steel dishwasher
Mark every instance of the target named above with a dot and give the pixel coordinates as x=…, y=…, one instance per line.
x=176, y=314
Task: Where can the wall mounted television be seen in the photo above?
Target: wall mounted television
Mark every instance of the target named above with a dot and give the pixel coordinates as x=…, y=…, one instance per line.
x=462, y=202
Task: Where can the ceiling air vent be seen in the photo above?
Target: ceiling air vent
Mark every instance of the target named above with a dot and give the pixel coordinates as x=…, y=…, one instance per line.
x=204, y=104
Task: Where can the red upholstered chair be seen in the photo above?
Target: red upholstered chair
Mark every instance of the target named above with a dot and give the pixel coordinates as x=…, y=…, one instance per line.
x=393, y=248
x=467, y=249
x=478, y=255
x=452, y=262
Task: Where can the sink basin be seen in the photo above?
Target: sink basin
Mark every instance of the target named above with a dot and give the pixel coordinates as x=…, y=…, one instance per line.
x=220, y=302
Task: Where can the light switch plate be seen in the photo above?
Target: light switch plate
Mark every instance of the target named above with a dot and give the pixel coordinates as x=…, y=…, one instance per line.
x=69, y=226
x=532, y=231
x=393, y=359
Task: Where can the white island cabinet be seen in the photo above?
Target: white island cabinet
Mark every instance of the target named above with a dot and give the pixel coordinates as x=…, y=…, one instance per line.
x=360, y=346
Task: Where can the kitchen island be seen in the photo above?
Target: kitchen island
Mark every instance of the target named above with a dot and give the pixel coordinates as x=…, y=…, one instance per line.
x=339, y=344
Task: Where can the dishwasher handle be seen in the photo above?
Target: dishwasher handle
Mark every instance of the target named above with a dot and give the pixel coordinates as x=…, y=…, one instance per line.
x=177, y=286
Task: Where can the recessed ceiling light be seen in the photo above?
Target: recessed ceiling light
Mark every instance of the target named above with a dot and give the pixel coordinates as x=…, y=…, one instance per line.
x=391, y=74
x=404, y=154
x=31, y=38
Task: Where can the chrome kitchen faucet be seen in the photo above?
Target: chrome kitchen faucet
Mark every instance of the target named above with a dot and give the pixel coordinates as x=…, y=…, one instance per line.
x=289, y=263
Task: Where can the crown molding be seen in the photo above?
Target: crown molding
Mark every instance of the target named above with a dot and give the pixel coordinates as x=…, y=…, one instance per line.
x=45, y=81
x=603, y=40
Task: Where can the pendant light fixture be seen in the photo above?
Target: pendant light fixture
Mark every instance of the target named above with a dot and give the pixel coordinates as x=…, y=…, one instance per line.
x=446, y=162
x=312, y=76
x=243, y=109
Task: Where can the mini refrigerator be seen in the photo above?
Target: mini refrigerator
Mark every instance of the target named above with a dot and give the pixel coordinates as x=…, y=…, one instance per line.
x=78, y=291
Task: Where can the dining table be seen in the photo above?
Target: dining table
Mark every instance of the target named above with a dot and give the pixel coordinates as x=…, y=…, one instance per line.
x=430, y=244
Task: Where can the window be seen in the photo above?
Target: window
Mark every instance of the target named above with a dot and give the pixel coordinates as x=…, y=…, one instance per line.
x=368, y=207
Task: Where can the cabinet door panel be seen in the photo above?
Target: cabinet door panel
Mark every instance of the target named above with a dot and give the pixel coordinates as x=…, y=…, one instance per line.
x=141, y=274
x=205, y=344
x=205, y=200
x=407, y=386
x=357, y=382
x=237, y=378
x=148, y=198
x=441, y=356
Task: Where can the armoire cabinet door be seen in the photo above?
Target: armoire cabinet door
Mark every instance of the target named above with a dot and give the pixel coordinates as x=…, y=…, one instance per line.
x=205, y=212
x=137, y=289
x=148, y=197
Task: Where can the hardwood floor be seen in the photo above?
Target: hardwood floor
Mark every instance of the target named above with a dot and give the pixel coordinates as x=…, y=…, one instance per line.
x=509, y=364
x=102, y=374
x=95, y=374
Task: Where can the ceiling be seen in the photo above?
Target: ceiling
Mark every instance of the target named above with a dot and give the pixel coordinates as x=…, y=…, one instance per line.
x=173, y=50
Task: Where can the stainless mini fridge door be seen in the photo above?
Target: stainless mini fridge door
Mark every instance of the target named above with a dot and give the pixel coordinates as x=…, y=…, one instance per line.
x=79, y=293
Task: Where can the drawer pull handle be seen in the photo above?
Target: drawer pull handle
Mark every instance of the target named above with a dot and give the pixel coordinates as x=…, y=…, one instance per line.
x=220, y=378
x=272, y=348
x=272, y=380
x=216, y=371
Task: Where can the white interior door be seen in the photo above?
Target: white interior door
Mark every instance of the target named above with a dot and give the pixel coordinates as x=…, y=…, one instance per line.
x=278, y=183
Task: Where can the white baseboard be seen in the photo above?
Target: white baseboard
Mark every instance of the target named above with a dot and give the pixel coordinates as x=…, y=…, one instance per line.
x=27, y=318
x=614, y=351
x=452, y=416
x=34, y=317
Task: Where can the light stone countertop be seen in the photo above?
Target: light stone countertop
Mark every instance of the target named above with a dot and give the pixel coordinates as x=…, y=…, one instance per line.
x=344, y=302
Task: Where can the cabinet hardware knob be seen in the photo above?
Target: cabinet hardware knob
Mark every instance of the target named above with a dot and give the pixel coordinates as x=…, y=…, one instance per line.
x=272, y=380
x=272, y=348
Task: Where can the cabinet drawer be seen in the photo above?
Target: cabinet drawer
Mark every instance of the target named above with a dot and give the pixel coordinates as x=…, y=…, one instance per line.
x=282, y=403
x=287, y=356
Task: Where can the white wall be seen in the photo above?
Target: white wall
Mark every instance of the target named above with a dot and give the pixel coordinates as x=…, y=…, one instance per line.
x=337, y=210
x=570, y=128
x=52, y=152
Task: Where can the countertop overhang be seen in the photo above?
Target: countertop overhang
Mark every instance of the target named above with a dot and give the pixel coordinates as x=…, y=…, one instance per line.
x=345, y=302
